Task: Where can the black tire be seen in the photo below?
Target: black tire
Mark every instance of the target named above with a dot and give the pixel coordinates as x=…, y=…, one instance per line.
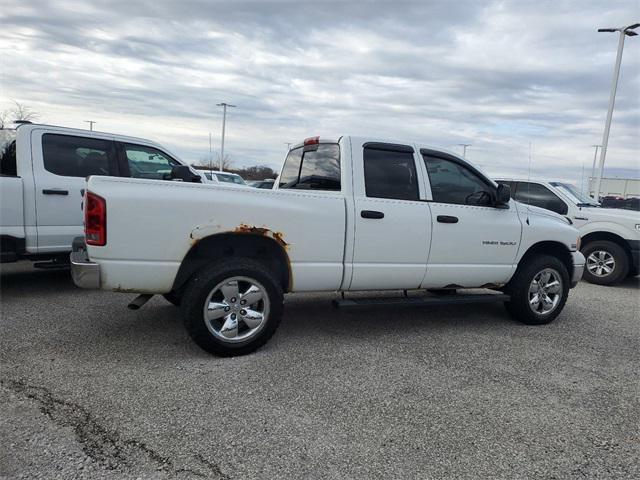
x=518, y=289
x=620, y=258
x=173, y=298
x=202, y=284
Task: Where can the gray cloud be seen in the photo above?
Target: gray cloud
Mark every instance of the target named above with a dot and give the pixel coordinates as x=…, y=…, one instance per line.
x=494, y=74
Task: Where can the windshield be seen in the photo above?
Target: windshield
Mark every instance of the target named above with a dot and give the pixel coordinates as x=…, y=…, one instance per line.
x=230, y=178
x=574, y=194
x=8, y=152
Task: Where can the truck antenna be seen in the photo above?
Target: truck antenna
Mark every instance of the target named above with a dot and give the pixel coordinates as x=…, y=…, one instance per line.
x=529, y=184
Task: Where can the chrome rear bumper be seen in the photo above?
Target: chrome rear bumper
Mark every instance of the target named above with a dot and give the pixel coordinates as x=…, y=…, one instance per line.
x=85, y=273
x=578, y=268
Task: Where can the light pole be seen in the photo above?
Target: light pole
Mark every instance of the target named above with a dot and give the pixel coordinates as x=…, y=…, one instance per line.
x=90, y=122
x=288, y=144
x=624, y=31
x=224, y=121
x=593, y=168
x=464, y=149
x=210, y=154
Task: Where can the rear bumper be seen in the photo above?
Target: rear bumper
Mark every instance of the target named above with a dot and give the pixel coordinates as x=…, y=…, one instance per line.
x=578, y=267
x=85, y=273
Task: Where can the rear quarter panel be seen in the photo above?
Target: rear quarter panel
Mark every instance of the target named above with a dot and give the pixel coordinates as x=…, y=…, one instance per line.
x=12, y=207
x=151, y=225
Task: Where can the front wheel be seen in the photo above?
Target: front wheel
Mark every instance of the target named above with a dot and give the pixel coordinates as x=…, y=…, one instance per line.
x=232, y=307
x=606, y=263
x=538, y=290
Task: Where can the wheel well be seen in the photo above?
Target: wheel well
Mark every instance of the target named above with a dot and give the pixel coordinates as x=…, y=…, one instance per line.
x=555, y=249
x=246, y=245
x=608, y=236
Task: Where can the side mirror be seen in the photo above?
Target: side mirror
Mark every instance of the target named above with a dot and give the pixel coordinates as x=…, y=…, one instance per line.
x=503, y=195
x=184, y=173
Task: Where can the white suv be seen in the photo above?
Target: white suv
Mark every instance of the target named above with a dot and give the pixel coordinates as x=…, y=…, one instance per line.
x=610, y=236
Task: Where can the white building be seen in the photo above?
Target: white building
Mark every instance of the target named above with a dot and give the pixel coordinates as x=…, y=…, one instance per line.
x=618, y=187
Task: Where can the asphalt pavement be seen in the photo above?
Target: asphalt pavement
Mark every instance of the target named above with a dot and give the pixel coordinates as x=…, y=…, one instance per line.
x=90, y=389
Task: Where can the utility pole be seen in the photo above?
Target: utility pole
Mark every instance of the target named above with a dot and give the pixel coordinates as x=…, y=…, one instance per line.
x=593, y=168
x=288, y=144
x=224, y=121
x=210, y=154
x=624, y=32
x=90, y=122
x=464, y=149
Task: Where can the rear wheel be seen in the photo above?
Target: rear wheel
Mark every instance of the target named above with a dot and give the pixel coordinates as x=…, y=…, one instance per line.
x=232, y=307
x=538, y=290
x=606, y=262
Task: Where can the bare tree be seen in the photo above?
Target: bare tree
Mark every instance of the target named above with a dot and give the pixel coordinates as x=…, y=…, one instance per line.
x=227, y=162
x=22, y=112
x=18, y=112
x=4, y=118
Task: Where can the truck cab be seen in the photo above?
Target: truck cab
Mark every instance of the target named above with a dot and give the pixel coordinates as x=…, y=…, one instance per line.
x=610, y=237
x=43, y=172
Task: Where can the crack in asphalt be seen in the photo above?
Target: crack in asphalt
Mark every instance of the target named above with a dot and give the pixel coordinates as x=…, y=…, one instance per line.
x=104, y=446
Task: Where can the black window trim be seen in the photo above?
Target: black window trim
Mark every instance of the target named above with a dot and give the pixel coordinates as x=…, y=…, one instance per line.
x=390, y=147
x=445, y=156
x=112, y=153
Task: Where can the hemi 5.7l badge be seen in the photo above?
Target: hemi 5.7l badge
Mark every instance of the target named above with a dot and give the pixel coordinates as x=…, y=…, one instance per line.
x=495, y=242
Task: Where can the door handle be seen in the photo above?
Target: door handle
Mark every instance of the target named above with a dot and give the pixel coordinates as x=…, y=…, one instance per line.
x=447, y=219
x=371, y=214
x=51, y=191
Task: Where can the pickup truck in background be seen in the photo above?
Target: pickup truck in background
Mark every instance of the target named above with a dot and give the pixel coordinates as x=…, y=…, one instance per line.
x=350, y=214
x=43, y=171
x=610, y=237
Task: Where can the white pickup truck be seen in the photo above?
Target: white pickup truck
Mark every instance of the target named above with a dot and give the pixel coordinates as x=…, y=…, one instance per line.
x=610, y=237
x=347, y=214
x=43, y=171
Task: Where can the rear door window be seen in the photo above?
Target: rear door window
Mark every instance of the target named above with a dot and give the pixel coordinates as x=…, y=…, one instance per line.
x=390, y=174
x=148, y=162
x=312, y=170
x=71, y=156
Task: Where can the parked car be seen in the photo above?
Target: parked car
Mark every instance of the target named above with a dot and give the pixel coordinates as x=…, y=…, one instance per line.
x=266, y=184
x=610, y=237
x=223, y=177
x=632, y=203
x=347, y=214
x=42, y=182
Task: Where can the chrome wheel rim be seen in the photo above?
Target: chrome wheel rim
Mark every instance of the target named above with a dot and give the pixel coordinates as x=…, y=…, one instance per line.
x=601, y=263
x=236, y=309
x=545, y=291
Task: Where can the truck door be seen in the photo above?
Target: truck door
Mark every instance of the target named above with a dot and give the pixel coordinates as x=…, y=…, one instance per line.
x=392, y=219
x=474, y=242
x=61, y=164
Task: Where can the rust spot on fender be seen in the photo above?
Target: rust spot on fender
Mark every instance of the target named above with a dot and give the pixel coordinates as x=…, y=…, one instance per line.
x=265, y=232
x=277, y=236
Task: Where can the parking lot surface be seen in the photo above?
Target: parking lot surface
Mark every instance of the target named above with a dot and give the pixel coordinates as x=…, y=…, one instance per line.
x=90, y=389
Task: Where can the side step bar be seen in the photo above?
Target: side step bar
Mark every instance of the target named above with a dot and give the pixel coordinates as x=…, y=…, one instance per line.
x=424, y=301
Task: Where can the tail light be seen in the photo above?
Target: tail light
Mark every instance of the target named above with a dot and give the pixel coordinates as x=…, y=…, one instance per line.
x=95, y=220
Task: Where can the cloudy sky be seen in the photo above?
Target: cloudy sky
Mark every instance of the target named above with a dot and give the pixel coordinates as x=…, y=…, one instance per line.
x=496, y=74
